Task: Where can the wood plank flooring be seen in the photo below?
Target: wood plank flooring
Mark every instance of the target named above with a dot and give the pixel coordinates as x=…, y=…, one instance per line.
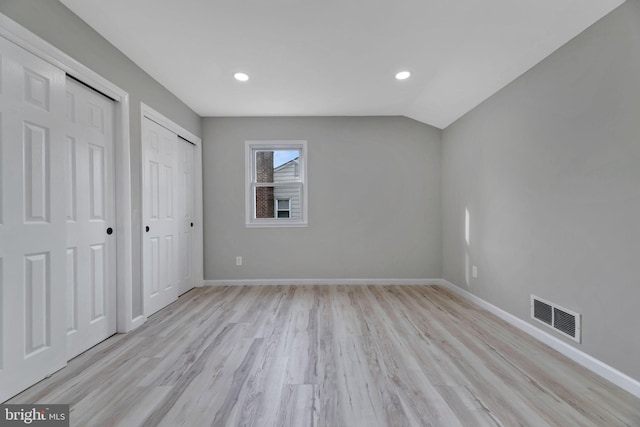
x=330, y=356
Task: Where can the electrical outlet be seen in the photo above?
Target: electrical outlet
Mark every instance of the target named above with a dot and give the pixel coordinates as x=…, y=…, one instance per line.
x=474, y=272
x=238, y=260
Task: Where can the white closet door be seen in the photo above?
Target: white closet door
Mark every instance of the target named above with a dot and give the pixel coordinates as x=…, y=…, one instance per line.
x=91, y=237
x=32, y=220
x=161, y=216
x=187, y=152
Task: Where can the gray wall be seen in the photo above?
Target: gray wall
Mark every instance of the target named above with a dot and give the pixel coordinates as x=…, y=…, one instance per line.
x=549, y=171
x=52, y=21
x=547, y=168
x=374, y=200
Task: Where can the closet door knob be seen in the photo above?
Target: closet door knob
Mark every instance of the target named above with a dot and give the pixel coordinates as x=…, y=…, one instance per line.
x=109, y=231
x=192, y=224
x=146, y=229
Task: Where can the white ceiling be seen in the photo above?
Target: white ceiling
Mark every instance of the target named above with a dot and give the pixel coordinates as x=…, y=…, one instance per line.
x=338, y=57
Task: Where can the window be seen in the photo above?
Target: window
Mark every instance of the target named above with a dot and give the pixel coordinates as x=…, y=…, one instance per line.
x=283, y=208
x=276, y=190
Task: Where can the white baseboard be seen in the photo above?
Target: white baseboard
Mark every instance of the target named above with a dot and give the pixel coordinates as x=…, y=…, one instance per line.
x=620, y=379
x=263, y=282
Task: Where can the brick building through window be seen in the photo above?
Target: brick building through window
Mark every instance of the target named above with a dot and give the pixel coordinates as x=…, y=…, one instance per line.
x=265, y=207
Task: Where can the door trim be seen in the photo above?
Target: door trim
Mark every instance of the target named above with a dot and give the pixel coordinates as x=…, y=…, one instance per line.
x=198, y=251
x=128, y=317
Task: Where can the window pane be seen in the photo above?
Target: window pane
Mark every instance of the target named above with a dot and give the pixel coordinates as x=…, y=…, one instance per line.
x=283, y=204
x=271, y=201
x=283, y=214
x=277, y=165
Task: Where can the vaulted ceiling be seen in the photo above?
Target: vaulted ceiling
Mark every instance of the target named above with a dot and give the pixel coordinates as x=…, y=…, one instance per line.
x=338, y=57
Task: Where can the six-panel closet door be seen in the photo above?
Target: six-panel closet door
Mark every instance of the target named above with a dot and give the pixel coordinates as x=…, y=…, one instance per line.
x=32, y=219
x=187, y=217
x=168, y=215
x=161, y=217
x=90, y=213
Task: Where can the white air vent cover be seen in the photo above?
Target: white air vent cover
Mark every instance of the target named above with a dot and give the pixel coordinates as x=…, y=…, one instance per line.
x=562, y=320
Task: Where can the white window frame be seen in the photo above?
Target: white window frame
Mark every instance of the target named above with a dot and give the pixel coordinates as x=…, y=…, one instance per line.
x=277, y=210
x=251, y=147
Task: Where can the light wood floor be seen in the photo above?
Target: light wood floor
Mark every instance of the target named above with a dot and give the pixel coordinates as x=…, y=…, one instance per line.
x=330, y=356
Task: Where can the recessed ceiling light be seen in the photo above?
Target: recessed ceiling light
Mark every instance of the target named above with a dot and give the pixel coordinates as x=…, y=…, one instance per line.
x=241, y=77
x=403, y=75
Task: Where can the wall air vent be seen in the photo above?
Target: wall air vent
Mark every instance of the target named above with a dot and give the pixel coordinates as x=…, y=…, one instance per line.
x=562, y=320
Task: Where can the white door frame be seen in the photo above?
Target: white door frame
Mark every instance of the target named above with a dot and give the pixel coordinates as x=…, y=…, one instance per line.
x=30, y=42
x=198, y=251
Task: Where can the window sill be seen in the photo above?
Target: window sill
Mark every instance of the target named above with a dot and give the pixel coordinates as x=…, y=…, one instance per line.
x=276, y=224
